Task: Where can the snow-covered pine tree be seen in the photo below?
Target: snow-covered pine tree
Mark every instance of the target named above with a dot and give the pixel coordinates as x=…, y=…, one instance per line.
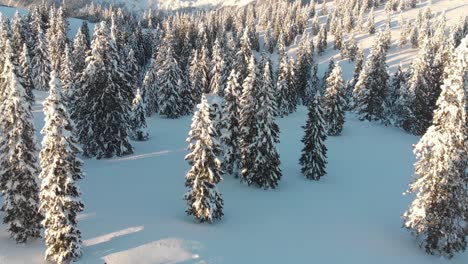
x=321, y=40
x=218, y=72
x=230, y=138
x=138, y=125
x=414, y=37
x=334, y=102
x=197, y=78
x=282, y=93
x=313, y=85
x=260, y=133
x=25, y=65
x=424, y=89
x=80, y=49
x=40, y=63
x=397, y=85
x=314, y=154
x=150, y=89
x=67, y=75
x=56, y=37
x=170, y=83
x=18, y=156
x=203, y=199
x=371, y=88
x=84, y=30
x=293, y=95
x=101, y=108
x=304, y=65
x=331, y=66
x=338, y=38
x=60, y=170
x=438, y=215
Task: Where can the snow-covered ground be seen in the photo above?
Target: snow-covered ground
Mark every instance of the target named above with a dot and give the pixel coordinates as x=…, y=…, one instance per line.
x=135, y=212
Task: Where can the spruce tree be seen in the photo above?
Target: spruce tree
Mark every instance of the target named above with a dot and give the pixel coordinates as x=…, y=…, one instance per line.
x=150, y=89
x=282, y=94
x=40, y=63
x=424, y=89
x=25, y=65
x=60, y=170
x=334, y=102
x=102, y=111
x=18, y=156
x=437, y=217
x=313, y=85
x=138, y=119
x=80, y=49
x=314, y=154
x=203, y=199
x=304, y=65
x=371, y=88
x=218, y=73
x=169, y=87
x=196, y=78
x=260, y=133
x=67, y=75
x=230, y=138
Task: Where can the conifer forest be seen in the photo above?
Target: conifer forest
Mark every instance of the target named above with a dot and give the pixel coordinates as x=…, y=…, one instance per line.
x=237, y=131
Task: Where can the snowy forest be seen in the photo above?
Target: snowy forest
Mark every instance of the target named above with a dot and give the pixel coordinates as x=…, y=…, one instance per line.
x=274, y=129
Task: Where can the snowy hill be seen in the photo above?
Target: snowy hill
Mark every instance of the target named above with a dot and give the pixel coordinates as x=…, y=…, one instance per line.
x=134, y=211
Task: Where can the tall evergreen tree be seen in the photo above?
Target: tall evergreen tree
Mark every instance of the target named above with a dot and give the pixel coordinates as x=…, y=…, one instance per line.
x=334, y=102
x=40, y=63
x=438, y=215
x=60, y=170
x=230, y=138
x=260, y=133
x=169, y=87
x=138, y=119
x=424, y=89
x=150, y=89
x=304, y=66
x=18, y=156
x=314, y=154
x=102, y=113
x=25, y=66
x=371, y=88
x=80, y=49
x=203, y=199
x=218, y=72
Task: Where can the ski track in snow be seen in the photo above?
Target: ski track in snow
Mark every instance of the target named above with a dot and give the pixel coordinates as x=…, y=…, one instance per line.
x=134, y=212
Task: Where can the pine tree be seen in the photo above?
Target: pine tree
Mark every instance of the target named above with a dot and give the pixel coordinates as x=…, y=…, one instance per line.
x=60, y=169
x=230, y=138
x=260, y=133
x=25, y=65
x=138, y=119
x=396, y=88
x=437, y=217
x=67, y=75
x=40, y=63
x=80, y=49
x=150, y=89
x=102, y=112
x=169, y=87
x=313, y=85
x=321, y=40
x=282, y=96
x=18, y=156
x=196, y=78
x=218, y=72
x=304, y=65
x=331, y=66
x=203, y=199
x=424, y=89
x=371, y=88
x=84, y=31
x=314, y=154
x=334, y=102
